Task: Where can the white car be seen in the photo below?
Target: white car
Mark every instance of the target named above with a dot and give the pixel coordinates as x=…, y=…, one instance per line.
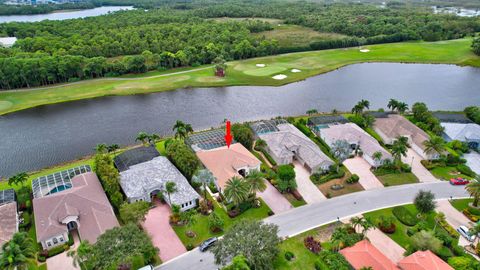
x=465, y=232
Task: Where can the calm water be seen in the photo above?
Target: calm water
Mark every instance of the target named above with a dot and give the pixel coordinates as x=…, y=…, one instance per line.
x=47, y=135
x=63, y=15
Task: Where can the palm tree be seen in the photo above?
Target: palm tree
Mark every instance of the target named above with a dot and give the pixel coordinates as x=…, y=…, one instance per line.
x=474, y=189
x=399, y=149
x=18, y=253
x=256, y=182
x=392, y=104
x=402, y=107
x=366, y=225
x=142, y=137
x=368, y=120
x=153, y=138
x=19, y=178
x=101, y=148
x=112, y=148
x=181, y=129
x=357, y=109
x=81, y=255
x=204, y=177
x=377, y=156
x=356, y=222
x=236, y=190
x=434, y=145
x=260, y=144
x=364, y=103
x=170, y=187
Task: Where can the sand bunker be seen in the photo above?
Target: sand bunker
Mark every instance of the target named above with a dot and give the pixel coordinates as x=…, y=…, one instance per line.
x=279, y=77
x=295, y=70
x=364, y=50
x=260, y=65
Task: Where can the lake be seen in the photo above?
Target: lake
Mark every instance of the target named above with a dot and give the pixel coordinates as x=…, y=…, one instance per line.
x=63, y=15
x=51, y=134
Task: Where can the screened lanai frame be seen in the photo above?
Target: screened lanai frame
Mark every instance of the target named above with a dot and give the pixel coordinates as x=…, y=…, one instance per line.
x=267, y=126
x=58, y=181
x=7, y=196
x=207, y=140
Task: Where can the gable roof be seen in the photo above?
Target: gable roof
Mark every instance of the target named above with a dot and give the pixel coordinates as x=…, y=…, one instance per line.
x=327, y=119
x=364, y=254
x=462, y=132
x=86, y=199
x=141, y=179
x=354, y=134
x=223, y=162
x=8, y=222
x=452, y=117
x=289, y=139
x=423, y=260
x=396, y=125
x=135, y=156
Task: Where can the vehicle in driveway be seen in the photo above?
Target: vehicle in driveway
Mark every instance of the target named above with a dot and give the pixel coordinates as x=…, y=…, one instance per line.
x=459, y=181
x=465, y=232
x=207, y=244
x=147, y=267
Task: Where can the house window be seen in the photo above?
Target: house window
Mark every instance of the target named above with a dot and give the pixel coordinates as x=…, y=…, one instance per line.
x=49, y=243
x=55, y=241
x=60, y=239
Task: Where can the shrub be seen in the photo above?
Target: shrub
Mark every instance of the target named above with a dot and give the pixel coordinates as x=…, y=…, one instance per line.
x=289, y=255
x=70, y=241
x=353, y=179
x=424, y=240
x=444, y=253
x=330, y=176
x=286, y=178
x=444, y=237
x=320, y=265
x=41, y=258
x=312, y=244
x=55, y=251
x=463, y=263
x=386, y=224
x=475, y=211
x=469, y=215
x=189, y=247
x=405, y=216
x=333, y=260
x=458, y=250
x=465, y=170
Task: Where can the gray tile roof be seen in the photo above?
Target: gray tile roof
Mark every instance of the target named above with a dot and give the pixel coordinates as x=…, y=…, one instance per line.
x=396, y=125
x=326, y=119
x=462, y=132
x=452, y=117
x=142, y=179
x=289, y=139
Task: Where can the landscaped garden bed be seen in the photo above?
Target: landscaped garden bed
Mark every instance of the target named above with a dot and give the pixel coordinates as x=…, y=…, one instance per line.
x=396, y=173
x=449, y=167
x=329, y=192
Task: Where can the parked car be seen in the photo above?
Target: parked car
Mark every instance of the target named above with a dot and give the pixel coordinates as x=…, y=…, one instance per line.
x=147, y=267
x=465, y=232
x=207, y=244
x=459, y=181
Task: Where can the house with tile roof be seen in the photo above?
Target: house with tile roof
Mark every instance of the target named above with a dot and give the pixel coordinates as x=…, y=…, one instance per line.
x=357, y=138
x=225, y=163
x=392, y=126
x=8, y=221
x=140, y=182
x=287, y=144
x=364, y=254
x=83, y=206
x=423, y=260
x=464, y=132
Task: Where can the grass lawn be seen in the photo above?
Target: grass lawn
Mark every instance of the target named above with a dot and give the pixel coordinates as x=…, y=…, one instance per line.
x=395, y=179
x=202, y=230
x=240, y=72
x=304, y=259
x=461, y=204
x=293, y=200
x=348, y=188
x=446, y=173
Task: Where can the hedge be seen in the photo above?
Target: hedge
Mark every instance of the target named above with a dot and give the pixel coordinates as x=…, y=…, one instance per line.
x=466, y=170
x=353, y=179
x=405, y=216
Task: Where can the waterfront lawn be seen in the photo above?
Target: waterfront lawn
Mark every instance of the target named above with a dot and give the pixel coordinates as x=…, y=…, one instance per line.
x=202, y=229
x=460, y=204
x=447, y=172
x=395, y=179
x=246, y=72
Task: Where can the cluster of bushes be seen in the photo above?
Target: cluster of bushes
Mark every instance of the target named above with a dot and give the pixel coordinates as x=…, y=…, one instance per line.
x=464, y=263
x=243, y=134
x=472, y=213
x=473, y=112
x=458, y=146
x=392, y=167
x=45, y=254
x=464, y=169
x=312, y=244
x=110, y=178
x=425, y=120
x=476, y=50
x=353, y=179
x=183, y=157
x=405, y=216
x=386, y=224
x=331, y=260
x=325, y=176
x=289, y=255
x=260, y=146
x=285, y=181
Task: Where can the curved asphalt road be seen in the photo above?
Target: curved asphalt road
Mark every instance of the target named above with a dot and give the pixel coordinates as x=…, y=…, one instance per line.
x=301, y=219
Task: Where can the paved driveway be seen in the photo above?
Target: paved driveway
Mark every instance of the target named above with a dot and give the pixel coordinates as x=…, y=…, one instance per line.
x=163, y=236
x=473, y=161
x=62, y=261
x=305, y=186
x=421, y=172
x=454, y=218
x=274, y=199
x=361, y=167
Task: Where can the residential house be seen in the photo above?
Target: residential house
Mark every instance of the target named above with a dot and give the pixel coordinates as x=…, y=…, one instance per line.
x=65, y=202
x=225, y=163
x=364, y=254
x=358, y=140
x=287, y=144
x=142, y=181
x=423, y=260
x=464, y=132
x=392, y=126
x=8, y=216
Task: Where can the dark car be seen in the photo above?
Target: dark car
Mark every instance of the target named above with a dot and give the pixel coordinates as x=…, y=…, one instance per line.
x=459, y=181
x=207, y=244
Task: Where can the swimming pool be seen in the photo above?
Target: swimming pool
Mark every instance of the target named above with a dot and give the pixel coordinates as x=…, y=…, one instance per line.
x=59, y=188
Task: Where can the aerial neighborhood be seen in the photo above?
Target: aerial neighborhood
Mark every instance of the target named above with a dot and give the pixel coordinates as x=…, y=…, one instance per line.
x=168, y=196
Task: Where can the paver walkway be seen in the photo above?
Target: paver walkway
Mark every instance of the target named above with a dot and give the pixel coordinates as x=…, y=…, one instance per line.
x=454, y=218
x=421, y=172
x=305, y=186
x=163, y=236
x=473, y=161
x=62, y=261
x=274, y=199
x=360, y=167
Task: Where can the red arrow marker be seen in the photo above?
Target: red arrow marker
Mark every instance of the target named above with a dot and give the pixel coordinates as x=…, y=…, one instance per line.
x=228, y=134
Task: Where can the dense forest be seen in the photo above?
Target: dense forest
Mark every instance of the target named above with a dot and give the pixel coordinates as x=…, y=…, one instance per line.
x=183, y=34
